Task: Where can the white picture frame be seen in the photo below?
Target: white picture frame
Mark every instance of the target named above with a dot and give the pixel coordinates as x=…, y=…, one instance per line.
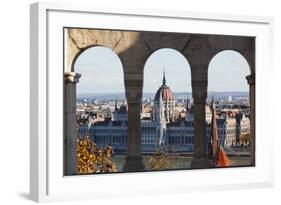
x=47, y=182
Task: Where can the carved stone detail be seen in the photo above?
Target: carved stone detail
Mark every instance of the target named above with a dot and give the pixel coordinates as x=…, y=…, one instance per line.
x=71, y=77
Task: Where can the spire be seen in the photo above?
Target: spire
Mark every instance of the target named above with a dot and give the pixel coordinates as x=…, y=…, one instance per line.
x=187, y=104
x=212, y=102
x=213, y=122
x=164, y=79
x=116, y=109
x=219, y=157
x=214, y=128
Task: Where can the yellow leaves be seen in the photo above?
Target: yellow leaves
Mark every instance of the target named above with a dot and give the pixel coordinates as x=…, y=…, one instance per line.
x=159, y=161
x=90, y=161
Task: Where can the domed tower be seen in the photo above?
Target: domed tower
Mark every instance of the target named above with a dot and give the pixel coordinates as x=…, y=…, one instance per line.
x=163, y=110
x=164, y=99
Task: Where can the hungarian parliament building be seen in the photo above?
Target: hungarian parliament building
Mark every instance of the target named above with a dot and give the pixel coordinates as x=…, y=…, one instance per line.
x=161, y=126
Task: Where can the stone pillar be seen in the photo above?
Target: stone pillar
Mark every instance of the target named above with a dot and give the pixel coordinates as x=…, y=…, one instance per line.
x=199, y=93
x=133, y=86
x=70, y=132
x=251, y=81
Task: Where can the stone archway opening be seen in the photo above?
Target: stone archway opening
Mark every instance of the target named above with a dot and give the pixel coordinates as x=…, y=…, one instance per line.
x=167, y=97
x=175, y=65
x=228, y=89
x=95, y=64
x=99, y=103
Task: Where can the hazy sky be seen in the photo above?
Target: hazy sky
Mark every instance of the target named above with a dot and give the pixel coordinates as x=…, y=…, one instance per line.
x=102, y=71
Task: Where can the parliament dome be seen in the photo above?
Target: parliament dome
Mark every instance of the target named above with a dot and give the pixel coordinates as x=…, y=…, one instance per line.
x=164, y=91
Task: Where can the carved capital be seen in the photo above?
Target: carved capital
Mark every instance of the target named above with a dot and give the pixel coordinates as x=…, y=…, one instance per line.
x=251, y=79
x=71, y=77
x=133, y=86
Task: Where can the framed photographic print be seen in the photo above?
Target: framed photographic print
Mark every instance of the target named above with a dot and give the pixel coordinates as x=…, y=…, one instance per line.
x=154, y=101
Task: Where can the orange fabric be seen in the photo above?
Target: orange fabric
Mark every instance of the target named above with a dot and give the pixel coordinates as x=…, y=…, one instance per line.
x=223, y=159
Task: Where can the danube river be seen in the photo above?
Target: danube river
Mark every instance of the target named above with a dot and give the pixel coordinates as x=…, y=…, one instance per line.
x=180, y=162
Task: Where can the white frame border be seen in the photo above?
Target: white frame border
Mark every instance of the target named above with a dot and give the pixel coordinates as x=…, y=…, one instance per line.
x=38, y=85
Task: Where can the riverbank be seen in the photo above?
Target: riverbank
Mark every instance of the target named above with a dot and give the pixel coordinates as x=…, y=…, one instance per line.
x=181, y=161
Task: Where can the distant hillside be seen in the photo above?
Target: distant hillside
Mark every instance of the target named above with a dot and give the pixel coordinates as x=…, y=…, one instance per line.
x=121, y=96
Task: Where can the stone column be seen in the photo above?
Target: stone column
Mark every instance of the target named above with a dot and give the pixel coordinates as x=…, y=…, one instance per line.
x=251, y=81
x=199, y=93
x=133, y=86
x=70, y=132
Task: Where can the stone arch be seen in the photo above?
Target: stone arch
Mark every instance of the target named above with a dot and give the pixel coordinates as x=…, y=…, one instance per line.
x=246, y=50
x=241, y=44
x=81, y=51
x=166, y=60
x=76, y=40
x=124, y=44
x=243, y=54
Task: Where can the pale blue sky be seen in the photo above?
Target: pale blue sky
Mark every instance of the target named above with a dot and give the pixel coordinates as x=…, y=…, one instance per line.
x=177, y=71
x=102, y=71
x=227, y=72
